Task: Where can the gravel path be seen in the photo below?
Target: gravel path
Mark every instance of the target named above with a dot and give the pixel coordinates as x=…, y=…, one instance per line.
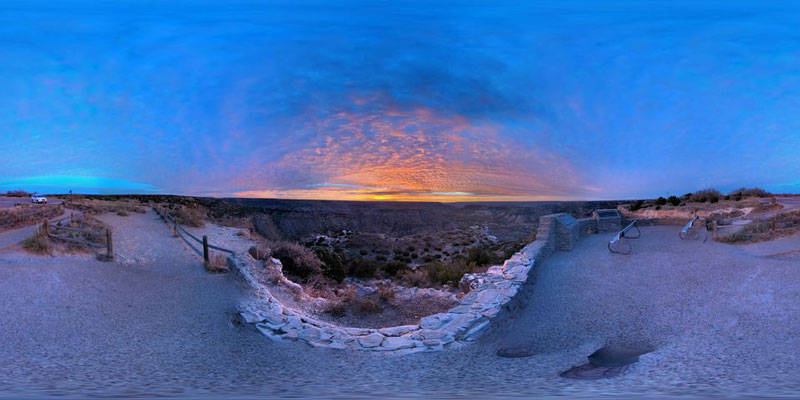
x=155, y=324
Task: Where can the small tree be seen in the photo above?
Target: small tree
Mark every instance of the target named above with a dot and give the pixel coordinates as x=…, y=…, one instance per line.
x=661, y=201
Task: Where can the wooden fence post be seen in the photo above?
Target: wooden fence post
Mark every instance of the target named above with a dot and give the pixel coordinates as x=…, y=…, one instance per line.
x=714, y=229
x=205, y=248
x=109, y=245
x=175, y=229
x=45, y=227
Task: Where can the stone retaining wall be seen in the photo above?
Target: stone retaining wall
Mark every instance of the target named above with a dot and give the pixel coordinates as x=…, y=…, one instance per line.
x=498, y=293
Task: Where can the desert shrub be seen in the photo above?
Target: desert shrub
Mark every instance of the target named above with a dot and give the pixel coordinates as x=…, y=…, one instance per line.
x=674, y=201
x=415, y=278
x=39, y=243
x=381, y=258
x=362, y=268
x=217, y=263
x=440, y=273
x=337, y=308
x=363, y=252
x=479, y=256
x=658, y=207
x=737, y=197
x=367, y=305
x=189, y=216
x=122, y=213
x=296, y=259
x=18, y=193
x=661, y=201
x=260, y=252
x=636, y=205
x=264, y=226
x=706, y=195
x=392, y=268
x=752, y=192
x=385, y=293
x=334, y=265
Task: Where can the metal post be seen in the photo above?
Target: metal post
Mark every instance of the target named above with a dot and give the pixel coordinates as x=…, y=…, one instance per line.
x=205, y=248
x=714, y=229
x=109, y=245
x=175, y=229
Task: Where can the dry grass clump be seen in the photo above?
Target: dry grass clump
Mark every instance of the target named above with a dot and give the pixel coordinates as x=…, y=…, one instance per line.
x=123, y=207
x=367, y=305
x=217, y=263
x=39, y=243
x=415, y=278
x=260, y=252
x=18, y=193
x=94, y=232
x=186, y=216
x=783, y=224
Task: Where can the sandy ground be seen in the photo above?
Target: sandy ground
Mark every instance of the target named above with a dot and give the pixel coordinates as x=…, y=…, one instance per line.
x=724, y=324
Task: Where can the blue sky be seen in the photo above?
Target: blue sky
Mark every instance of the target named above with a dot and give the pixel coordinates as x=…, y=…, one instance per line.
x=400, y=100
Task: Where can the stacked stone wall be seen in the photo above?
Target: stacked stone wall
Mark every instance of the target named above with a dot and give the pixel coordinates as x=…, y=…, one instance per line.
x=503, y=291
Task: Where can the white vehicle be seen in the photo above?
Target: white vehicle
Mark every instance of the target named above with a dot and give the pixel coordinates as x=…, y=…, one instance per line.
x=38, y=198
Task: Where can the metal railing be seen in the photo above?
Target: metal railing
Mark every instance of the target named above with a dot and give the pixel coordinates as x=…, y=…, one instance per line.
x=179, y=231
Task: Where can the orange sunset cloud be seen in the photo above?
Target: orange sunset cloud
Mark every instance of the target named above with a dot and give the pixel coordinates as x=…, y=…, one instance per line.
x=417, y=156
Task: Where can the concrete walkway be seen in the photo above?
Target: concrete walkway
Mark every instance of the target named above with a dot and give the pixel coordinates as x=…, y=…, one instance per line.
x=153, y=323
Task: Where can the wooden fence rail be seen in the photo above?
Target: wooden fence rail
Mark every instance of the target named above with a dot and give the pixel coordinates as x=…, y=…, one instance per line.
x=11, y=218
x=50, y=228
x=180, y=231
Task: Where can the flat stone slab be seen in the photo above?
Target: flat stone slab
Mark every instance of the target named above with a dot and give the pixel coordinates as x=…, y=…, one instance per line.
x=515, y=352
x=590, y=371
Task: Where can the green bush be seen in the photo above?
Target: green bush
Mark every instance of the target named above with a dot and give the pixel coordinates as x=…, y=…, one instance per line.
x=333, y=264
x=674, y=201
x=707, y=195
x=478, y=256
x=636, y=205
x=362, y=268
x=441, y=273
x=661, y=201
x=753, y=192
x=392, y=268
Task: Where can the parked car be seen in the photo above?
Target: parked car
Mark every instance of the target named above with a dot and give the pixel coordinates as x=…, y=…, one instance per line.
x=38, y=198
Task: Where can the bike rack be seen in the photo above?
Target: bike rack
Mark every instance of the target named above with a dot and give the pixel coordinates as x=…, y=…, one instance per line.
x=616, y=245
